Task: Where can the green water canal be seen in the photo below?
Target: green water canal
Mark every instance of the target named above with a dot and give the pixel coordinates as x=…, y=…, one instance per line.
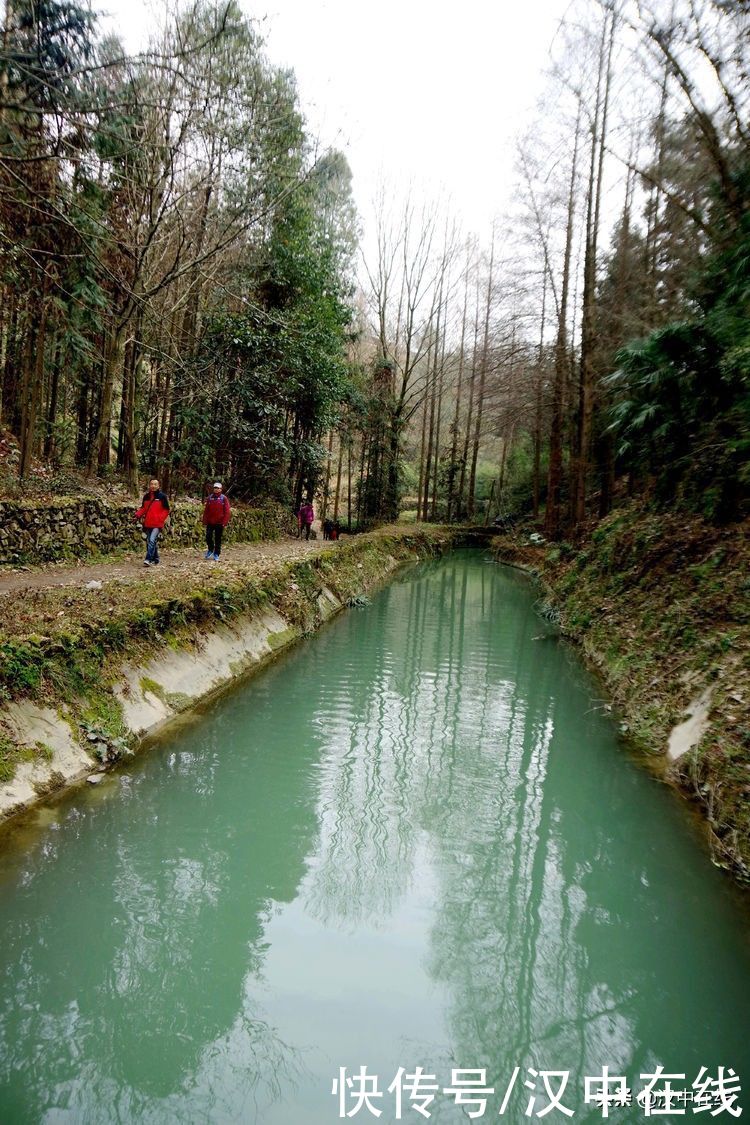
x=414, y=841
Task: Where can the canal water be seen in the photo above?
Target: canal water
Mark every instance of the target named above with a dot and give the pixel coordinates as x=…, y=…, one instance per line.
x=412, y=842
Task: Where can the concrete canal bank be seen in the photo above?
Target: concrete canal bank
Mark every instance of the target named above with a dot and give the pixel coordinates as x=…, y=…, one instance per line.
x=76, y=702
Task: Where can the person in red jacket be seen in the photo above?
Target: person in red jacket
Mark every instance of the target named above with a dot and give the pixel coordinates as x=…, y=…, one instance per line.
x=216, y=513
x=153, y=514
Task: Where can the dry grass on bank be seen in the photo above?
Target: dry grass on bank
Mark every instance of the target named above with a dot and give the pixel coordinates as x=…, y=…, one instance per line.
x=661, y=604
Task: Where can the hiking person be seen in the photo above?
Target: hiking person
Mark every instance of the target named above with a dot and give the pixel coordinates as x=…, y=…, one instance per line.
x=216, y=513
x=327, y=528
x=153, y=514
x=305, y=517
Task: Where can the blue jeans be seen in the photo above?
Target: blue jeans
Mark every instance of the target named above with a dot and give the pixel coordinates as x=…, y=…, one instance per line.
x=152, y=544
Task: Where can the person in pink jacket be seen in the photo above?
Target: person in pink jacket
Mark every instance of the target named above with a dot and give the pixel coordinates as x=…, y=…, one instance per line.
x=305, y=517
x=216, y=513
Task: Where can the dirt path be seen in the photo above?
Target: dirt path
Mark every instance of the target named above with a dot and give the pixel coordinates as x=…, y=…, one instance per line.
x=175, y=563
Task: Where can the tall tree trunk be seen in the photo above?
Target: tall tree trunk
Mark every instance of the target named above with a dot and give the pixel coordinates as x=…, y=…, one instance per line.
x=606, y=441
x=7, y=312
x=127, y=360
x=82, y=416
x=462, y=503
x=554, y=475
x=651, y=250
x=507, y=445
x=327, y=477
x=349, y=482
x=431, y=377
x=338, y=479
x=130, y=452
x=482, y=384
x=127, y=441
x=32, y=387
x=99, y=453
x=438, y=428
x=8, y=365
x=421, y=486
x=54, y=396
x=360, y=490
x=593, y=211
x=456, y=414
x=489, y=502
x=538, y=406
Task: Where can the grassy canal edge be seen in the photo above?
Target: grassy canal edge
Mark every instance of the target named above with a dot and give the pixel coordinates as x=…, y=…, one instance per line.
x=660, y=605
x=68, y=710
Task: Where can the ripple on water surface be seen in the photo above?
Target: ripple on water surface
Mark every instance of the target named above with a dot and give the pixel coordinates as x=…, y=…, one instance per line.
x=413, y=841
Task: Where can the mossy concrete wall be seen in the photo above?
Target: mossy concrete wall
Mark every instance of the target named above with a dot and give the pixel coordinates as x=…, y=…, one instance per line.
x=32, y=532
x=72, y=728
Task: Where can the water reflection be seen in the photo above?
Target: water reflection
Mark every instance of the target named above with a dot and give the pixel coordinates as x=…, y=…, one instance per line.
x=411, y=842
x=126, y=961
x=562, y=903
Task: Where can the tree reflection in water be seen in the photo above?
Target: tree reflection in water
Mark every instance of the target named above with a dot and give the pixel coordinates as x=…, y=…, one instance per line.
x=474, y=761
x=412, y=842
x=137, y=962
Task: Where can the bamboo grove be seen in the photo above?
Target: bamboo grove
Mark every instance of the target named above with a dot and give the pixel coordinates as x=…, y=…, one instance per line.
x=177, y=269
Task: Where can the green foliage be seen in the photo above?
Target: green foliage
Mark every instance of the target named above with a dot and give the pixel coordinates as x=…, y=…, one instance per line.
x=486, y=474
x=8, y=758
x=121, y=179
x=51, y=41
x=21, y=664
x=151, y=686
x=561, y=552
x=104, y=731
x=375, y=414
x=518, y=487
x=683, y=409
x=269, y=381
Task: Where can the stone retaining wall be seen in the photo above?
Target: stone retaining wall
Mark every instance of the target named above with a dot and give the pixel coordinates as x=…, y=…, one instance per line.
x=76, y=528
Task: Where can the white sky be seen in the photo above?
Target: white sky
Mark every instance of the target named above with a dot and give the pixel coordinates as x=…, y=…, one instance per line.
x=430, y=94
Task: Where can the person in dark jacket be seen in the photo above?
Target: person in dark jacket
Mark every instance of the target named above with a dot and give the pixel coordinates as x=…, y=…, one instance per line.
x=153, y=514
x=216, y=513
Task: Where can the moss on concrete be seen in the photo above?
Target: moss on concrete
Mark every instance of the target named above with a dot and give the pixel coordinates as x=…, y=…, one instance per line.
x=151, y=686
x=75, y=669
x=11, y=756
x=281, y=639
x=178, y=701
